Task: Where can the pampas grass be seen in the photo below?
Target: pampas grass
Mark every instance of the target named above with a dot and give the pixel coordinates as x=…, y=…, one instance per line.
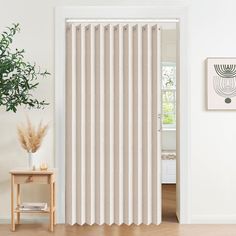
x=31, y=137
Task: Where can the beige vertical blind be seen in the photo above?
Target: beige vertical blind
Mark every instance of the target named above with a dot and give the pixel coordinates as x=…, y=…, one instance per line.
x=112, y=150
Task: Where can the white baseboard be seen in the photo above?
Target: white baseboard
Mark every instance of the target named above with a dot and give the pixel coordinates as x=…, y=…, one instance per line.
x=213, y=219
x=60, y=220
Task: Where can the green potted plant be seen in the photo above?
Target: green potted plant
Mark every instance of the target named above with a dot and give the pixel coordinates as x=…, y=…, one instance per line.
x=18, y=78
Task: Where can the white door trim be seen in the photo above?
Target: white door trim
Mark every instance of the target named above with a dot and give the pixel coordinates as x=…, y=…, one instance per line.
x=168, y=12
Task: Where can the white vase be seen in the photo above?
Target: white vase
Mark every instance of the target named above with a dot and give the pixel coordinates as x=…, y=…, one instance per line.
x=32, y=161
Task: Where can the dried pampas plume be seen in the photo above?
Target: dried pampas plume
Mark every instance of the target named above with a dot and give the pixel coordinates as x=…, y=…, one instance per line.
x=31, y=137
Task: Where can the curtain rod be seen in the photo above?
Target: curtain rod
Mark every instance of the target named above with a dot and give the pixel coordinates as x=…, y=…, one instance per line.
x=123, y=20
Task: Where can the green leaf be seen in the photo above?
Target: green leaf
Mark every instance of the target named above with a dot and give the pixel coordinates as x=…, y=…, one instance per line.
x=18, y=78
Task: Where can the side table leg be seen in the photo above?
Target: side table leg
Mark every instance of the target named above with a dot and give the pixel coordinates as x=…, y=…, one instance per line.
x=12, y=204
x=51, y=205
x=54, y=203
x=18, y=203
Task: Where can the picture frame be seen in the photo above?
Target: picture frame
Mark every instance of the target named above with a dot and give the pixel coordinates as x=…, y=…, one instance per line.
x=221, y=83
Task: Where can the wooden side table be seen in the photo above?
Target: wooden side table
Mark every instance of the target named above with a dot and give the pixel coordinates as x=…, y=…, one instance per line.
x=24, y=176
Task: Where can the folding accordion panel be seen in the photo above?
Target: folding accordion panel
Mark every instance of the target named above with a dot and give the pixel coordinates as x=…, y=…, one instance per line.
x=113, y=143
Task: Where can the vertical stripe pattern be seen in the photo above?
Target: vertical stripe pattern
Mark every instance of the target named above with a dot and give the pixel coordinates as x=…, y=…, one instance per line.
x=112, y=108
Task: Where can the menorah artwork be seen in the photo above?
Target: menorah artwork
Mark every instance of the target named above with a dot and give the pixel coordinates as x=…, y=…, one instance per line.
x=221, y=83
x=225, y=81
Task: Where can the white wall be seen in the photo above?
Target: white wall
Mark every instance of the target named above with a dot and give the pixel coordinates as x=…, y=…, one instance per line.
x=213, y=153
x=211, y=33
x=36, y=37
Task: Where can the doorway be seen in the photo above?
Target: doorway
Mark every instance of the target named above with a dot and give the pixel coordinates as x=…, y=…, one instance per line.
x=62, y=14
x=169, y=107
x=121, y=103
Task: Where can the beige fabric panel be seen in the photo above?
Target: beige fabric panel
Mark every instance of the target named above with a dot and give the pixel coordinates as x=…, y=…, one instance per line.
x=155, y=98
x=115, y=107
x=98, y=162
x=136, y=167
x=117, y=163
x=79, y=113
x=145, y=192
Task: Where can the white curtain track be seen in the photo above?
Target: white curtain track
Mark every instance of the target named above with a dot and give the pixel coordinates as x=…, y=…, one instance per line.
x=112, y=149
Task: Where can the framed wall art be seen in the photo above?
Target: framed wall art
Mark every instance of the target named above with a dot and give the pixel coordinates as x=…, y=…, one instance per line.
x=221, y=83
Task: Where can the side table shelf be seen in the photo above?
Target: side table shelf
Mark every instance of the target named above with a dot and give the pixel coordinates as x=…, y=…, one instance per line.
x=21, y=176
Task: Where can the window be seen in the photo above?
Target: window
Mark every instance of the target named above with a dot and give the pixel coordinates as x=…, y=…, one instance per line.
x=168, y=91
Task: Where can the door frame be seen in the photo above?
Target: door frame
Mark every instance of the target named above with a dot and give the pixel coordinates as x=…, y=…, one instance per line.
x=162, y=13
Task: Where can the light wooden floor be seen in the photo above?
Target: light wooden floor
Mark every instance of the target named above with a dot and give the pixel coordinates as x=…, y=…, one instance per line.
x=169, y=227
x=169, y=203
